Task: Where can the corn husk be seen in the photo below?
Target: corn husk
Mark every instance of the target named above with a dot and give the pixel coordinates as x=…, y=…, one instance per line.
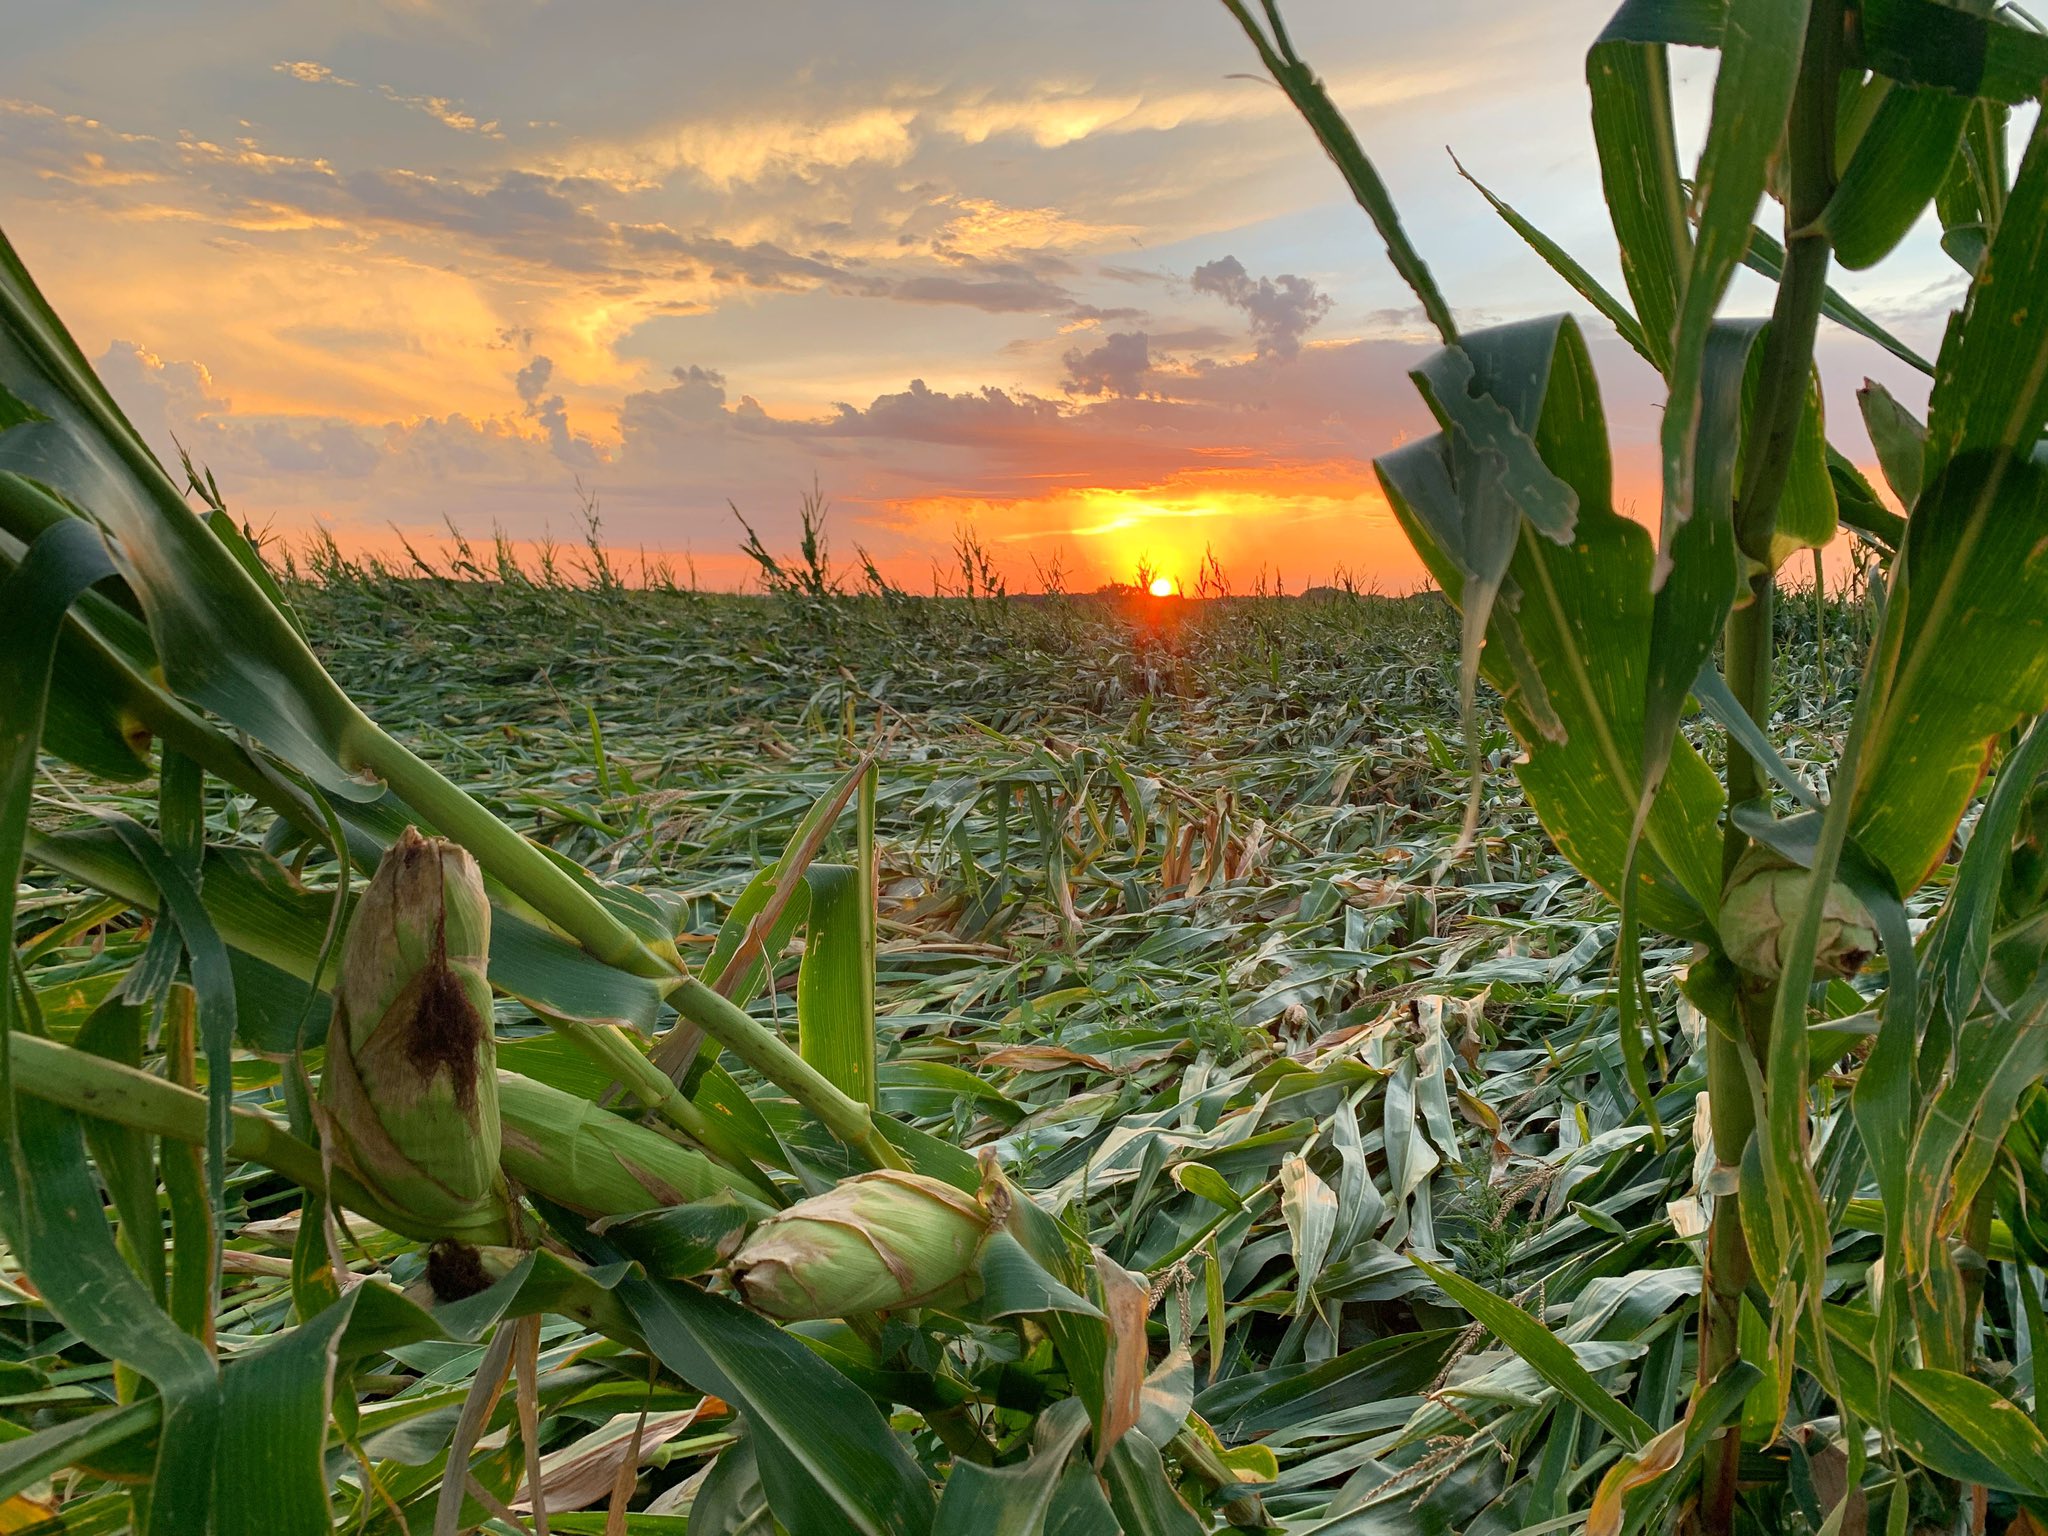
x=874, y=1242
x=1762, y=903
x=410, y=1086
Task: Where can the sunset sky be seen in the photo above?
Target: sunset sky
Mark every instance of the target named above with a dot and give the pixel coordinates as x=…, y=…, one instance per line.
x=1052, y=270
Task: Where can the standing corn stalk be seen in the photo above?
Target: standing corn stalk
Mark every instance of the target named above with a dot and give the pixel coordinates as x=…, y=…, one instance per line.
x=1856, y=117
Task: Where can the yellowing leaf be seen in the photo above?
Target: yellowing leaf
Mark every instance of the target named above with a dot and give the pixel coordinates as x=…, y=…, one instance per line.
x=21, y=1512
x=1631, y=1473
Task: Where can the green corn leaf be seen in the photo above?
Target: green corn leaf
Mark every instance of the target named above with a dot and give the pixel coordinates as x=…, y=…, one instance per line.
x=1498, y=476
x=261, y=911
x=1264, y=1403
x=62, y=563
x=38, y=1456
x=1545, y=1353
x=1766, y=257
x=90, y=722
x=59, y=1232
x=1699, y=569
x=1916, y=42
x=1140, y=1492
x=1900, y=441
x=1309, y=1207
x=386, y=1319
x=763, y=920
x=1634, y=134
x=1996, y=1060
x=1968, y=52
x=1960, y=948
x=1491, y=428
x=1584, y=284
x=220, y=639
x=1898, y=163
x=1857, y=506
x=835, y=989
x=746, y=985
x=1012, y=1500
x=1015, y=1284
x=1570, y=655
x=1715, y=697
x=1991, y=380
x=213, y=980
x=272, y=1473
x=829, y=1461
x=125, y=1156
x=1761, y=45
x=1960, y=659
x=50, y=1203
x=928, y=1089
x=731, y=1501
x=681, y=1241
x=1079, y=1506
x=1972, y=196
x=1951, y=1424
x=1808, y=517
x=1342, y=146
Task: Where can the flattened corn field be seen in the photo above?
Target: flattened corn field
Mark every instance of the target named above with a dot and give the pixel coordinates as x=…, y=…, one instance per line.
x=1170, y=916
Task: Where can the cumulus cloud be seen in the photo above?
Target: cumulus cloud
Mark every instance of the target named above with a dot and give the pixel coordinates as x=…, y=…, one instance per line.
x=1118, y=367
x=175, y=404
x=531, y=380
x=1280, y=308
x=551, y=412
x=650, y=417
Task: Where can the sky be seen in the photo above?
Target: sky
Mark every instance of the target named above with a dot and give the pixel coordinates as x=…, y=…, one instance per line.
x=1061, y=276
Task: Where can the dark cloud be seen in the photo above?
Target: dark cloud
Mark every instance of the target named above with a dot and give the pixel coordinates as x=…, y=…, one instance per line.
x=1281, y=308
x=1118, y=367
x=551, y=411
x=531, y=380
x=695, y=401
x=983, y=418
x=1110, y=316
x=285, y=446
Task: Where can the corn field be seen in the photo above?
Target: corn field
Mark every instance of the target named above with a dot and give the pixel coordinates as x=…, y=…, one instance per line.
x=495, y=1049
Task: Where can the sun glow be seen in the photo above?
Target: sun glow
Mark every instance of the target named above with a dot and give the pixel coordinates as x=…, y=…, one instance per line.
x=1162, y=586
x=1297, y=519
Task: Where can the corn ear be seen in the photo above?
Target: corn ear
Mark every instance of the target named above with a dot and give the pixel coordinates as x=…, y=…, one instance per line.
x=1763, y=901
x=872, y=1243
x=410, y=1085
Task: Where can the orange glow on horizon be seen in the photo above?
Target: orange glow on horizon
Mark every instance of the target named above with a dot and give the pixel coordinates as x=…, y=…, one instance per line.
x=1303, y=521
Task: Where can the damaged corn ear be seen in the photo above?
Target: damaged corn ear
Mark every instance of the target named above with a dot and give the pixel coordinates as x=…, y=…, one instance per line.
x=1763, y=901
x=411, y=1083
x=874, y=1242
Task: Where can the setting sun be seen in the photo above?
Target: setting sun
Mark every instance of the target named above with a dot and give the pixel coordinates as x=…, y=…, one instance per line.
x=1162, y=586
